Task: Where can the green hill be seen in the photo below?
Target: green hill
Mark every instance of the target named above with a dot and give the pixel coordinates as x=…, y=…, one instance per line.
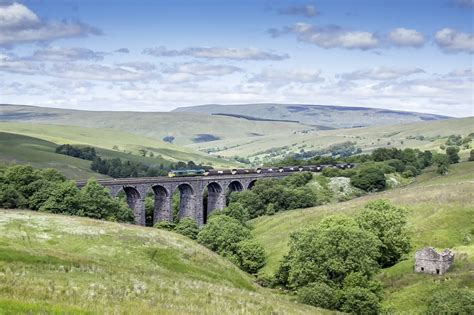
x=441, y=215
x=322, y=116
x=52, y=264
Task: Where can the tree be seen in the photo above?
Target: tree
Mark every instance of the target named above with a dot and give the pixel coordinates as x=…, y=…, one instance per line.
x=446, y=300
x=187, y=227
x=369, y=179
x=330, y=251
x=96, y=202
x=251, y=255
x=471, y=155
x=10, y=198
x=452, y=153
x=318, y=294
x=237, y=211
x=63, y=199
x=442, y=161
x=388, y=224
x=222, y=234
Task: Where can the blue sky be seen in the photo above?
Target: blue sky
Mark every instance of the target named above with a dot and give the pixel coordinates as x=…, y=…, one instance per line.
x=158, y=55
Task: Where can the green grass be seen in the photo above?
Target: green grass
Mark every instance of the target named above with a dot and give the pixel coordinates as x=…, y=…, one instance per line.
x=40, y=153
x=58, y=264
x=441, y=215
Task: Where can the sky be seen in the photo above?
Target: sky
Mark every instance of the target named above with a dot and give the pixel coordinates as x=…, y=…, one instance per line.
x=410, y=55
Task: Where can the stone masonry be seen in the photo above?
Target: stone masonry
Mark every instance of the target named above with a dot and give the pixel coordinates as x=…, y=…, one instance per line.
x=432, y=262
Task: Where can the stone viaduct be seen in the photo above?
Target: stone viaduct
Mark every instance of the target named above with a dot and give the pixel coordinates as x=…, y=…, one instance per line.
x=191, y=191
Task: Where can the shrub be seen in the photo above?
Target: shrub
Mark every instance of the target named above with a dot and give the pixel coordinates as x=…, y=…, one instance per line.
x=452, y=153
x=369, y=179
x=165, y=225
x=446, y=300
x=471, y=155
x=187, y=227
x=10, y=198
x=251, y=256
x=319, y=295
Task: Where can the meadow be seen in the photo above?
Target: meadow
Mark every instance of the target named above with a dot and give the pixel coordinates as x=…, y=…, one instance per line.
x=441, y=214
x=58, y=264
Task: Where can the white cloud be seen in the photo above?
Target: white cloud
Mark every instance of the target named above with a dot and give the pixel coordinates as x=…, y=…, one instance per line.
x=380, y=73
x=330, y=36
x=405, y=37
x=12, y=64
x=287, y=76
x=216, y=53
x=18, y=24
x=202, y=69
x=453, y=41
x=308, y=10
x=66, y=54
x=467, y=72
x=121, y=72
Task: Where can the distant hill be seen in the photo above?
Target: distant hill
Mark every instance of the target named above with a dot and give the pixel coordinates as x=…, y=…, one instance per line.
x=332, y=117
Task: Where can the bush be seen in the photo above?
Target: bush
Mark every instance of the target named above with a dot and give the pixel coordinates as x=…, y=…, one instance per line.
x=369, y=179
x=10, y=198
x=319, y=295
x=452, y=153
x=388, y=224
x=360, y=301
x=165, y=225
x=446, y=300
x=471, y=155
x=251, y=255
x=63, y=199
x=187, y=227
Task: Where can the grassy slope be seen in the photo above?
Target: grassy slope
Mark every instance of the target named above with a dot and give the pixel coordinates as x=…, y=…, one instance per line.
x=183, y=126
x=367, y=138
x=441, y=215
x=58, y=264
x=40, y=153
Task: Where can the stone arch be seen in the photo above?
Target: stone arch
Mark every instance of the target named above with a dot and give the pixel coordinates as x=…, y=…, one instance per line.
x=235, y=186
x=251, y=184
x=162, y=205
x=186, y=202
x=215, y=199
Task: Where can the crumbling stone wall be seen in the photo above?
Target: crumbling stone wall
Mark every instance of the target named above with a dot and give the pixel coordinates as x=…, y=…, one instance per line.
x=428, y=260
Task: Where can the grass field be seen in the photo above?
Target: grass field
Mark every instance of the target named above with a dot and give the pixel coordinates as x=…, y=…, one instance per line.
x=52, y=264
x=40, y=153
x=441, y=215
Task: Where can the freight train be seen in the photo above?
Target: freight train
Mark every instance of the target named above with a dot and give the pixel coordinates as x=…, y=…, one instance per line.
x=286, y=169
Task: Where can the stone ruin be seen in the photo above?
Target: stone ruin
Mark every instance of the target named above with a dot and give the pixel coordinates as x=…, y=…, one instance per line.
x=428, y=260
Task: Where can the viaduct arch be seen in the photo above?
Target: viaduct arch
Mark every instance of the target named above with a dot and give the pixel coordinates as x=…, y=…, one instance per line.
x=191, y=190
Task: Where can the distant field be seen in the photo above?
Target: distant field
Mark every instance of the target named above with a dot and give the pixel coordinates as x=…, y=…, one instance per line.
x=52, y=264
x=441, y=215
x=401, y=136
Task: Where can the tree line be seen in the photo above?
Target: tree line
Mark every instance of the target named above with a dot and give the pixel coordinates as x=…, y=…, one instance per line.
x=47, y=190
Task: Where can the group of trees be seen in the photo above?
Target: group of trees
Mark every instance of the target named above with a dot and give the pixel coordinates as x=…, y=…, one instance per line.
x=332, y=264
x=22, y=186
x=269, y=196
x=85, y=153
x=225, y=233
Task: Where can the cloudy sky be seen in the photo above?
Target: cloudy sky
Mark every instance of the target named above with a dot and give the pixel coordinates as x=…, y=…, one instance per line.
x=148, y=55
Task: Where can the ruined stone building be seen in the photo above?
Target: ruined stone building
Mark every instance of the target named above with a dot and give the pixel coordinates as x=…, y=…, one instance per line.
x=432, y=262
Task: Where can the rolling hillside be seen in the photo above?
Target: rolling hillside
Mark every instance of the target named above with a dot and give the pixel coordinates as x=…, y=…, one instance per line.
x=441, y=215
x=427, y=135
x=322, y=116
x=54, y=264
x=186, y=128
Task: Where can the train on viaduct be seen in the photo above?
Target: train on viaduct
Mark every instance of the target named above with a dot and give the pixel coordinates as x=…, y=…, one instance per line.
x=192, y=188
